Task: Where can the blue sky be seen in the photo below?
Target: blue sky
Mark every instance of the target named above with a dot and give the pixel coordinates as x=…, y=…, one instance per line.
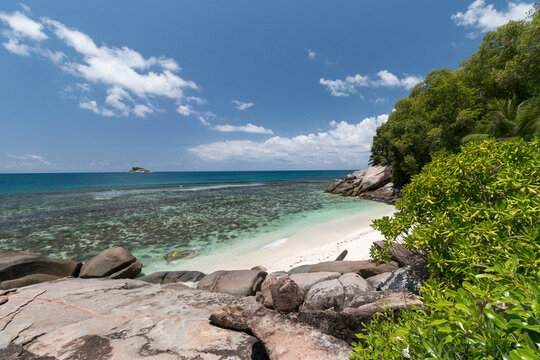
x=218, y=85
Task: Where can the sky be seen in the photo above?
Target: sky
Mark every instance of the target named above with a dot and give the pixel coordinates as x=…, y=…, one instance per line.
x=215, y=85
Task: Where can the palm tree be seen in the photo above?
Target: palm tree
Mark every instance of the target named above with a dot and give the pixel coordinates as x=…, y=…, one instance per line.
x=507, y=120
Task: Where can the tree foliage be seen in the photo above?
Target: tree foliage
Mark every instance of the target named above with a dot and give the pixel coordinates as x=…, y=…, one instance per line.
x=450, y=104
x=506, y=119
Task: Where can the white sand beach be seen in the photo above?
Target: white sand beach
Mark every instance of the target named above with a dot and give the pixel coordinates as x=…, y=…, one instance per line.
x=321, y=242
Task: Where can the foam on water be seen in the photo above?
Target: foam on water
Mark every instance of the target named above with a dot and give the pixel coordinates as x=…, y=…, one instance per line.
x=275, y=244
x=107, y=195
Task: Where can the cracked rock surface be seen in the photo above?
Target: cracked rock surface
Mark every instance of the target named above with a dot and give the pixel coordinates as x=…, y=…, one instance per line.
x=118, y=319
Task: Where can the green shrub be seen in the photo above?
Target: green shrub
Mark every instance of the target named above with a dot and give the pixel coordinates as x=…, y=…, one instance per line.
x=495, y=315
x=475, y=215
x=472, y=209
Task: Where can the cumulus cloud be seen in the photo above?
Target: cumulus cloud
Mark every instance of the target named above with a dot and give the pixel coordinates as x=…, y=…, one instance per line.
x=22, y=26
x=383, y=78
x=344, y=144
x=132, y=81
x=484, y=17
x=33, y=157
x=311, y=54
x=240, y=105
x=249, y=128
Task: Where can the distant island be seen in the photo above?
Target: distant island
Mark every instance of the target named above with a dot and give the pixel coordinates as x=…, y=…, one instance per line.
x=138, y=170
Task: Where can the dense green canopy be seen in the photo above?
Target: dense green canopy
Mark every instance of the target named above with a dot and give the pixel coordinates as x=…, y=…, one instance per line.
x=449, y=104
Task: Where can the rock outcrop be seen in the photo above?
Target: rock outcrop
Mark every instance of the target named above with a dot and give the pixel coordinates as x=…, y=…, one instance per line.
x=373, y=183
x=116, y=263
x=32, y=268
x=283, y=339
x=350, y=321
x=120, y=319
x=138, y=170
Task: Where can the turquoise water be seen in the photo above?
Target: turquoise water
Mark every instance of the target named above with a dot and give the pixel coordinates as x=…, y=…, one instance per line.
x=76, y=216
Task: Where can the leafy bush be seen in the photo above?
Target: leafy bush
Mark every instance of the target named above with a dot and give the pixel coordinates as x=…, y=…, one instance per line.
x=494, y=316
x=476, y=216
x=472, y=209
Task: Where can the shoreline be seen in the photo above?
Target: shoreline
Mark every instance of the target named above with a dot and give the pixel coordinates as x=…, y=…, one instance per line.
x=320, y=242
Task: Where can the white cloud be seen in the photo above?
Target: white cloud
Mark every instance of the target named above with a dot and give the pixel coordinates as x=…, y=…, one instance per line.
x=38, y=158
x=344, y=144
x=311, y=54
x=484, y=17
x=380, y=100
x=22, y=26
x=93, y=106
x=240, y=105
x=249, y=128
x=197, y=100
x=132, y=81
x=13, y=45
x=141, y=110
x=384, y=78
x=185, y=110
x=203, y=120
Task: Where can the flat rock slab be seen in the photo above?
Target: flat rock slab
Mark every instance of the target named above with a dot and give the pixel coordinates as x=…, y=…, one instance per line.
x=364, y=268
x=168, y=277
x=307, y=280
x=118, y=319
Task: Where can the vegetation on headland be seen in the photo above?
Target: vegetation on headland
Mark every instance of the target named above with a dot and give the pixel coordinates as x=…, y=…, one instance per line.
x=473, y=210
x=477, y=216
x=450, y=104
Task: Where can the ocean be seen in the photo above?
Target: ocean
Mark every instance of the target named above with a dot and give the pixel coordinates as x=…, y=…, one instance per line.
x=77, y=215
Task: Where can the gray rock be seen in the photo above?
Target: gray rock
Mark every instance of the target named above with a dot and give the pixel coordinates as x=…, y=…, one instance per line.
x=342, y=255
x=405, y=278
x=360, y=174
x=108, y=262
x=376, y=177
x=269, y=281
x=365, y=268
x=259, y=268
x=352, y=285
x=170, y=277
x=287, y=296
x=119, y=319
x=345, y=324
x=362, y=298
x=377, y=280
x=283, y=339
x=307, y=280
x=129, y=272
x=27, y=280
x=17, y=264
x=330, y=188
x=325, y=295
x=233, y=282
x=300, y=269
x=209, y=282
x=343, y=188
